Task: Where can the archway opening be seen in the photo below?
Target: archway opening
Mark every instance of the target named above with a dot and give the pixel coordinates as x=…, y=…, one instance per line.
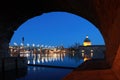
x=54, y=37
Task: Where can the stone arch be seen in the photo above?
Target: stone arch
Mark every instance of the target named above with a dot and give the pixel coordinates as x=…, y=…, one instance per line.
x=107, y=22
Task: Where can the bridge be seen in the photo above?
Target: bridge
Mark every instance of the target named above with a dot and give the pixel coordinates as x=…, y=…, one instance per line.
x=104, y=14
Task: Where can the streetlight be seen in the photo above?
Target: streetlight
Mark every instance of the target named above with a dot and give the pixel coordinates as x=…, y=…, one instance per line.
x=28, y=45
x=15, y=43
x=33, y=45
x=42, y=45
x=21, y=44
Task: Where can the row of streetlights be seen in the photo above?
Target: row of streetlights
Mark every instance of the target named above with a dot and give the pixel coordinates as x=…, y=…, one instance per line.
x=33, y=45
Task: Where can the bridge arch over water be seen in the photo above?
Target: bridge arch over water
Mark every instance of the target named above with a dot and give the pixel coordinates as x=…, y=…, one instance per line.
x=104, y=14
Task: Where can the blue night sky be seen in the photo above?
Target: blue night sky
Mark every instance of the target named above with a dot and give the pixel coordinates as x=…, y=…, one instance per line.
x=57, y=28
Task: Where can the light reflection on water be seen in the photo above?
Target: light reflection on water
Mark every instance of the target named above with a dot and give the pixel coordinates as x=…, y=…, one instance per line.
x=43, y=73
x=54, y=59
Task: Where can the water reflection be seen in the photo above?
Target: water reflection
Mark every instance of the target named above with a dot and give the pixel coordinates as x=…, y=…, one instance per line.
x=56, y=59
x=46, y=57
x=43, y=73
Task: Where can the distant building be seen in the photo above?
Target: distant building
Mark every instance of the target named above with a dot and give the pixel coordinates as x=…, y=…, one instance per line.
x=87, y=42
x=93, y=51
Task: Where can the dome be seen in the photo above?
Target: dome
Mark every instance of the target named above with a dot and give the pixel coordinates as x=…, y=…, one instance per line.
x=86, y=42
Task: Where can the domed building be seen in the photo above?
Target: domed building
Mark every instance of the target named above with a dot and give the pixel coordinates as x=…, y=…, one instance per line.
x=87, y=42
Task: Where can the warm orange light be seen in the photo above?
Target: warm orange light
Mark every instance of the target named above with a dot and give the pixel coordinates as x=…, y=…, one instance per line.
x=85, y=59
x=86, y=43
